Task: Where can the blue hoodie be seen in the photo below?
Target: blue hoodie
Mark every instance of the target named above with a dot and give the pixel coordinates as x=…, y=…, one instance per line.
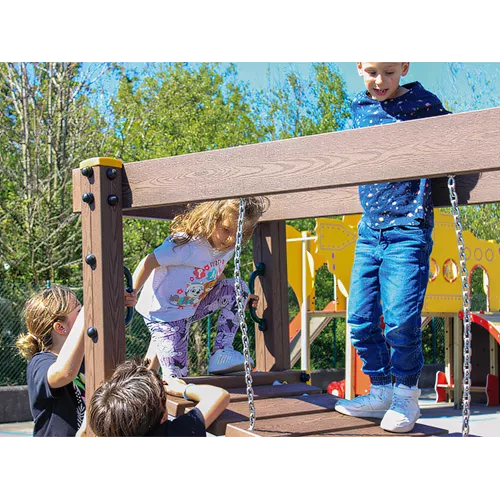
x=406, y=203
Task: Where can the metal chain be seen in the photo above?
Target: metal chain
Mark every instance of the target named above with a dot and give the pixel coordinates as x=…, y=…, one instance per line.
x=466, y=307
x=241, y=311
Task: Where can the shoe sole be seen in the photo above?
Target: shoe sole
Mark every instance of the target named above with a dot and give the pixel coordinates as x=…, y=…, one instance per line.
x=401, y=430
x=366, y=414
x=231, y=369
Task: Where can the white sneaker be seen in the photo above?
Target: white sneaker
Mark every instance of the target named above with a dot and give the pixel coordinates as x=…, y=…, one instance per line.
x=227, y=360
x=374, y=404
x=404, y=410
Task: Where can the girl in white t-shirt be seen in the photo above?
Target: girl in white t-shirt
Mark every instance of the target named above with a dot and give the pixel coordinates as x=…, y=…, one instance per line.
x=182, y=281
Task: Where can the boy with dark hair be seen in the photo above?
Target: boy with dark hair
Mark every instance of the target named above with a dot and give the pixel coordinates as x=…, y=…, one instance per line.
x=134, y=403
x=391, y=264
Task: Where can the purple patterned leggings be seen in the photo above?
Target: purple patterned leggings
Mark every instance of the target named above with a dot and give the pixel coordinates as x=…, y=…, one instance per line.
x=171, y=339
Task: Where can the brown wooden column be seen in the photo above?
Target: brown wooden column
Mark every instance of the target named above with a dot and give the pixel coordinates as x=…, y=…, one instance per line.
x=103, y=282
x=272, y=346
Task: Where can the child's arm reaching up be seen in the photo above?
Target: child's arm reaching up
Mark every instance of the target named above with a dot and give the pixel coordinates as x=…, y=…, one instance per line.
x=143, y=270
x=69, y=360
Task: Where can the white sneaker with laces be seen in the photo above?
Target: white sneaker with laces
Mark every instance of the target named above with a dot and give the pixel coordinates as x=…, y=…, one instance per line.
x=227, y=360
x=374, y=404
x=404, y=410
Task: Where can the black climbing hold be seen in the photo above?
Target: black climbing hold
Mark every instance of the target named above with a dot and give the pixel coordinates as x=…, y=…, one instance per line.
x=91, y=260
x=111, y=173
x=87, y=172
x=113, y=200
x=92, y=333
x=88, y=198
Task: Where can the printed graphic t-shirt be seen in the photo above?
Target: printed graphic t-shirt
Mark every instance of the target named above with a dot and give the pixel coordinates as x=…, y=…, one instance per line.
x=186, y=274
x=406, y=203
x=56, y=412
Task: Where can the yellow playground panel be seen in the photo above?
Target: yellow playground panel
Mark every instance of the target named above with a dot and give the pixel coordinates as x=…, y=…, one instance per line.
x=334, y=245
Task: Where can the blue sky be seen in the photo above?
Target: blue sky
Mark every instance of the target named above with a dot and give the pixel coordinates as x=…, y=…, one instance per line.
x=461, y=86
x=429, y=74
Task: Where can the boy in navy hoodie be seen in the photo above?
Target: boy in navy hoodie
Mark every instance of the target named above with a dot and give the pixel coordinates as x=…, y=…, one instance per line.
x=391, y=265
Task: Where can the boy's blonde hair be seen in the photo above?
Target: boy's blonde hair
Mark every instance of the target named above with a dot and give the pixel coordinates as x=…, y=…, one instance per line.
x=200, y=220
x=42, y=310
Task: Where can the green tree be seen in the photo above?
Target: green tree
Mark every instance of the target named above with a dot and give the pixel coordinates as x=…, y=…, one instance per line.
x=177, y=109
x=47, y=125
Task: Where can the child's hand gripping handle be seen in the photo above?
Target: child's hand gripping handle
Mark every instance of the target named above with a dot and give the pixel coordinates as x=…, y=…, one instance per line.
x=259, y=271
x=130, y=290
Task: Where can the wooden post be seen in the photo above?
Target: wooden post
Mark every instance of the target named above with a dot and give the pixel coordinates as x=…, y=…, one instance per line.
x=272, y=346
x=103, y=282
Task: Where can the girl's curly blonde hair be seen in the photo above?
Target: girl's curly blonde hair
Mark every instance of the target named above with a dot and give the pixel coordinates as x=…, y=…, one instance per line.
x=200, y=220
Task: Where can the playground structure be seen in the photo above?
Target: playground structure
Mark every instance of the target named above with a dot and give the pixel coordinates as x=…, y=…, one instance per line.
x=333, y=245
x=304, y=177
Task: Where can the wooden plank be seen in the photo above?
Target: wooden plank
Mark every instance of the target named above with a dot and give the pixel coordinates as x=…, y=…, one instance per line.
x=420, y=430
x=238, y=379
x=274, y=391
x=273, y=408
x=177, y=406
x=299, y=426
x=453, y=144
x=331, y=424
x=471, y=189
x=272, y=347
x=102, y=235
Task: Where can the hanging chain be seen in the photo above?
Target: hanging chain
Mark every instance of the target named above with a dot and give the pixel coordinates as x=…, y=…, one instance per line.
x=466, y=306
x=241, y=311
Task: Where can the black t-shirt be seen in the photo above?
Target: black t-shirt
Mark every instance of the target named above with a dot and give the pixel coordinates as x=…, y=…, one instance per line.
x=191, y=424
x=56, y=412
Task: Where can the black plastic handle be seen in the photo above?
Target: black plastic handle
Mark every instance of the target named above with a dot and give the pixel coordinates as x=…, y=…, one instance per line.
x=129, y=289
x=260, y=269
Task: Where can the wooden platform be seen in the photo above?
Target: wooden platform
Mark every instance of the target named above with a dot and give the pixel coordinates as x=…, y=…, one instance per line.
x=322, y=424
x=292, y=409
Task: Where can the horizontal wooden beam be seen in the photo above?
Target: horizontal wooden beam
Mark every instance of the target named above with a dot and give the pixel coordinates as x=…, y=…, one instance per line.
x=325, y=168
x=471, y=189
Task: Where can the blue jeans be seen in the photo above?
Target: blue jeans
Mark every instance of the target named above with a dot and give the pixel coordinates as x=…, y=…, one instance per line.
x=389, y=278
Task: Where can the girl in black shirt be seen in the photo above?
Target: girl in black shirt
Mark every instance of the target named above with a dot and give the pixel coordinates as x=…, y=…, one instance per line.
x=54, y=348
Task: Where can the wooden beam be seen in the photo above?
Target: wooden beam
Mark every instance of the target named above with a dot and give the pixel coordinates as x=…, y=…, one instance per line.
x=471, y=189
x=272, y=346
x=103, y=283
x=432, y=147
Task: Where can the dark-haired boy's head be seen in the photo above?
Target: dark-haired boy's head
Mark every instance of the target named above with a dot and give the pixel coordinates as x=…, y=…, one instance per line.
x=131, y=403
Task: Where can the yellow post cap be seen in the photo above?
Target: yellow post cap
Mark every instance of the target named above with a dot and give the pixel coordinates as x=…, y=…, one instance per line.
x=101, y=162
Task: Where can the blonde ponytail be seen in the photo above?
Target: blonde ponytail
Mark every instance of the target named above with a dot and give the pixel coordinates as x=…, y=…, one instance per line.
x=28, y=345
x=42, y=310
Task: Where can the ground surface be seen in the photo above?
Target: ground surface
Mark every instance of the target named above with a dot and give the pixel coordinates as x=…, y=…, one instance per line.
x=484, y=421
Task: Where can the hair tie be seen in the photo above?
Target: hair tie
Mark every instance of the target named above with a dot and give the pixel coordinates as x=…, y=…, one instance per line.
x=31, y=335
